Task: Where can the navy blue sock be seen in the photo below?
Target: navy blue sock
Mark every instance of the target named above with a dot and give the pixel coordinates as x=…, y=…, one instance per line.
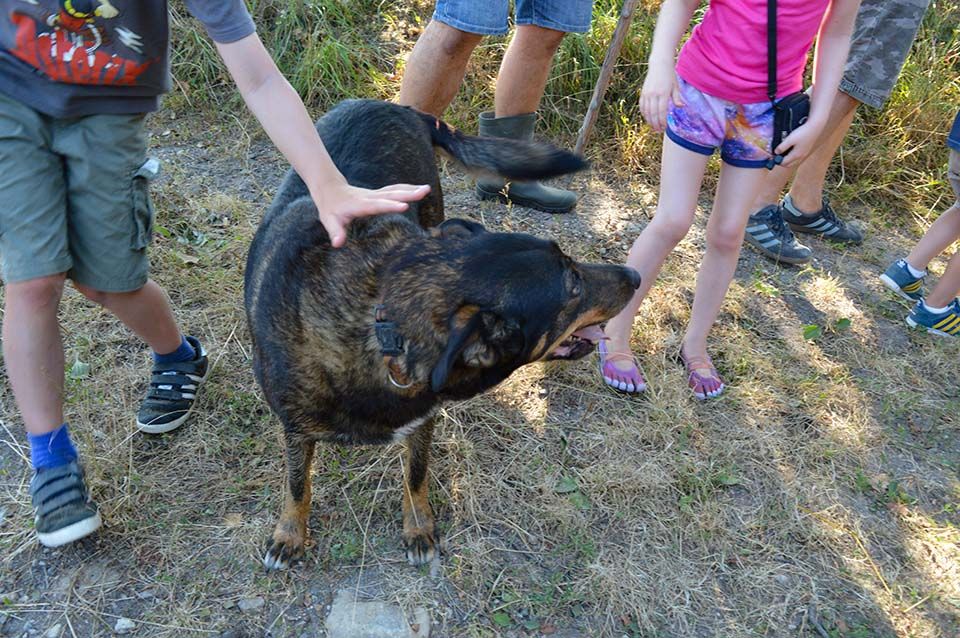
x=184, y=353
x=52, y=449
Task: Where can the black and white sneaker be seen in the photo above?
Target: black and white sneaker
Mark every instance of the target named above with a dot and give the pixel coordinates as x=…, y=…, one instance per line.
x=64, y=511
x=767, y=232
x=173, y=390
x=825, y=222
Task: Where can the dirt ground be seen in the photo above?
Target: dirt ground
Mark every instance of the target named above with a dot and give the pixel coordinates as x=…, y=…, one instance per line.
x=819, y=496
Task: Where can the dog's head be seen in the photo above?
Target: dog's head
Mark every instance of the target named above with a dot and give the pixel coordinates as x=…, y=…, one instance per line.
x=503, y=300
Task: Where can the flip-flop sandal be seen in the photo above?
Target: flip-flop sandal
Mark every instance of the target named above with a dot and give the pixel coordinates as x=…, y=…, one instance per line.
x=630, y=381
x=703, y=387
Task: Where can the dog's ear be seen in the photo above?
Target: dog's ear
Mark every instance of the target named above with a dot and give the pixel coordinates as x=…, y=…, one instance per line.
x=479, y=338
x=459, y=228
x=464, y=323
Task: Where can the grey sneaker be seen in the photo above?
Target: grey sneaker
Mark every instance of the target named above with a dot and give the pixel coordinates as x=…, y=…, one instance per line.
x=64, y=511
x=825, y=223
x=767, y=232
x=172, y=392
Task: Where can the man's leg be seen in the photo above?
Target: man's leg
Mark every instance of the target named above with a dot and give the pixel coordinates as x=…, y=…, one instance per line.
x=806, y=191
x=805, y=208
x=808, y=178
x=882, y=38
x=525, y=69
x=520, y=84
x=765, y=228
x=436, y=67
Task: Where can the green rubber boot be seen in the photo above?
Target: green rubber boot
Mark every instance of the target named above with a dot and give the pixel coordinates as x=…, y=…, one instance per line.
x=529, y=194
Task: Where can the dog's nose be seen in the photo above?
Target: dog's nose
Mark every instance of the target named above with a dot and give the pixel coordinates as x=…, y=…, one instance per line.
x=634, y=277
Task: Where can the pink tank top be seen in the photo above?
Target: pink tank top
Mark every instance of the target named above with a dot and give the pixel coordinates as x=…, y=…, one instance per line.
x=726, y=55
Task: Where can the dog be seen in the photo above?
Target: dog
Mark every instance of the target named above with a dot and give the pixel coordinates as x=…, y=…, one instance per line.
x=361, y=344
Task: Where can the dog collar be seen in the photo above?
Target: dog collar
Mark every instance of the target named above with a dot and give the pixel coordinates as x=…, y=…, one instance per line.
x=391, y=346
x=391, y=341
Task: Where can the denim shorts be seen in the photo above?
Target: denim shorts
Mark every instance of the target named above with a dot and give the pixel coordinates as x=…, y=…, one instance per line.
x=75, y=200
x=704, y=123
x=490, y=18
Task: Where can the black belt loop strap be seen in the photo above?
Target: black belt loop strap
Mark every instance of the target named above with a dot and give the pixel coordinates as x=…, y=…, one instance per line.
x=391, y=342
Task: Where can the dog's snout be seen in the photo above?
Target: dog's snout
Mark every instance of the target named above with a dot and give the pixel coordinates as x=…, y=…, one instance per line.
x=633, y=277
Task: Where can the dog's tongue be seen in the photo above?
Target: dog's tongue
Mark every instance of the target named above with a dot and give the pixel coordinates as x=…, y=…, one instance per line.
x=593, y=333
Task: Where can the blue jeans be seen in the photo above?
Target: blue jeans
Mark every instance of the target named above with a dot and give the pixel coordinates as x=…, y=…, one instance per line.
x=490, y=18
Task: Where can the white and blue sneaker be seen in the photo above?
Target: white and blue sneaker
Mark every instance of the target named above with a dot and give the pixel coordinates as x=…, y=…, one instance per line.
x=945, y=323
x=900, y=280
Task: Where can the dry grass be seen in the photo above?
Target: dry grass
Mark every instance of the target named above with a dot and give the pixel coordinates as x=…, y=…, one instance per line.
x=819, y=496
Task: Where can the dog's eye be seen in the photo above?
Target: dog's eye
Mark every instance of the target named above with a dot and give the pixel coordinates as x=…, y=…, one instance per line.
x=575, y=284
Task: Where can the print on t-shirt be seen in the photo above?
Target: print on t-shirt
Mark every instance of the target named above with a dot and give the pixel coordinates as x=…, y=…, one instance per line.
x=84, y=42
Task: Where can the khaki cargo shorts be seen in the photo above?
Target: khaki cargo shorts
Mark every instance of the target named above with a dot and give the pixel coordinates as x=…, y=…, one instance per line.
x=882, y=37
x=74, y=198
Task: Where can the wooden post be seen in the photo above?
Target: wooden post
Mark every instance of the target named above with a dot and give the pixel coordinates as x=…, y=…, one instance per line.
x=606, y=70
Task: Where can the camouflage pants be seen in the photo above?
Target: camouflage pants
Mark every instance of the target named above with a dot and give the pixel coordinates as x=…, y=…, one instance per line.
x=882, y=38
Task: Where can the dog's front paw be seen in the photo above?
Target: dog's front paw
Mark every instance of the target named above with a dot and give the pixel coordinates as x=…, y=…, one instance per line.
x=422, y=547
x=283, y=548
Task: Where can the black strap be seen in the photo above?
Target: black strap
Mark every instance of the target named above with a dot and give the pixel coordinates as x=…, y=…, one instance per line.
x=391, y=341
x=772, y=50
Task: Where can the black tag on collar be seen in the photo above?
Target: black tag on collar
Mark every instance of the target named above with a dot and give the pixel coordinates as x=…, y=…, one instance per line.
x=391, y=342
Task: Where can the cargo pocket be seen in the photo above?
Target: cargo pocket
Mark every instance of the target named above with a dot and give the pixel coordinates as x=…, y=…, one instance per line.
x=142, y=206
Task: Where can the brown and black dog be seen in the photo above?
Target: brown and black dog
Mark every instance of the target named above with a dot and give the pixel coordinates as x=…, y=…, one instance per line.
x=362, y=343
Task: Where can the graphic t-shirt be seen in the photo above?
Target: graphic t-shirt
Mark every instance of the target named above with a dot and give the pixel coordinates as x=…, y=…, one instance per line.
x=68, y=58
x=726, y=55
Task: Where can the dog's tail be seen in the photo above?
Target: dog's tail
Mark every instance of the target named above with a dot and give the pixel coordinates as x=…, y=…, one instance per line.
x=512, y=159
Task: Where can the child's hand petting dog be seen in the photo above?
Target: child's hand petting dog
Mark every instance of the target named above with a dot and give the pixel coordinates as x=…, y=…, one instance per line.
x=339, y=204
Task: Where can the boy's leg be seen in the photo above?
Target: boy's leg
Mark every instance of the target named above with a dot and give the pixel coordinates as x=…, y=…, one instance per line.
x=33, y=351
x=948, y=287
x=34, y=255
x=111, y=220
x=941, y=234
x=146, y=311
x=882, y=38
x=806, y=190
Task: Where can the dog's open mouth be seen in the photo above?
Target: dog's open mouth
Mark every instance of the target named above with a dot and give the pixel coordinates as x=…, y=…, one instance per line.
x=579, y=344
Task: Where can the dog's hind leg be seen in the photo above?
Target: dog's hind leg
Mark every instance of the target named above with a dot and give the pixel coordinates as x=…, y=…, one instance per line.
x=419, y=535
x=290, y=534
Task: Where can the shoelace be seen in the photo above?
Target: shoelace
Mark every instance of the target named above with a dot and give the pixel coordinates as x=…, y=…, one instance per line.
x=779, y=227
x=831, y=216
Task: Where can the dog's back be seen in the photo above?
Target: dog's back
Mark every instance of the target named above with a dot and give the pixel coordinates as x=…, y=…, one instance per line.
x=376, y=144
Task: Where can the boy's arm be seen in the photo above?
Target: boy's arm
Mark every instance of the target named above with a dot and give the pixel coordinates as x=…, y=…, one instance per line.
x=660, y=85
x=833, y=45
x=284, y=117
